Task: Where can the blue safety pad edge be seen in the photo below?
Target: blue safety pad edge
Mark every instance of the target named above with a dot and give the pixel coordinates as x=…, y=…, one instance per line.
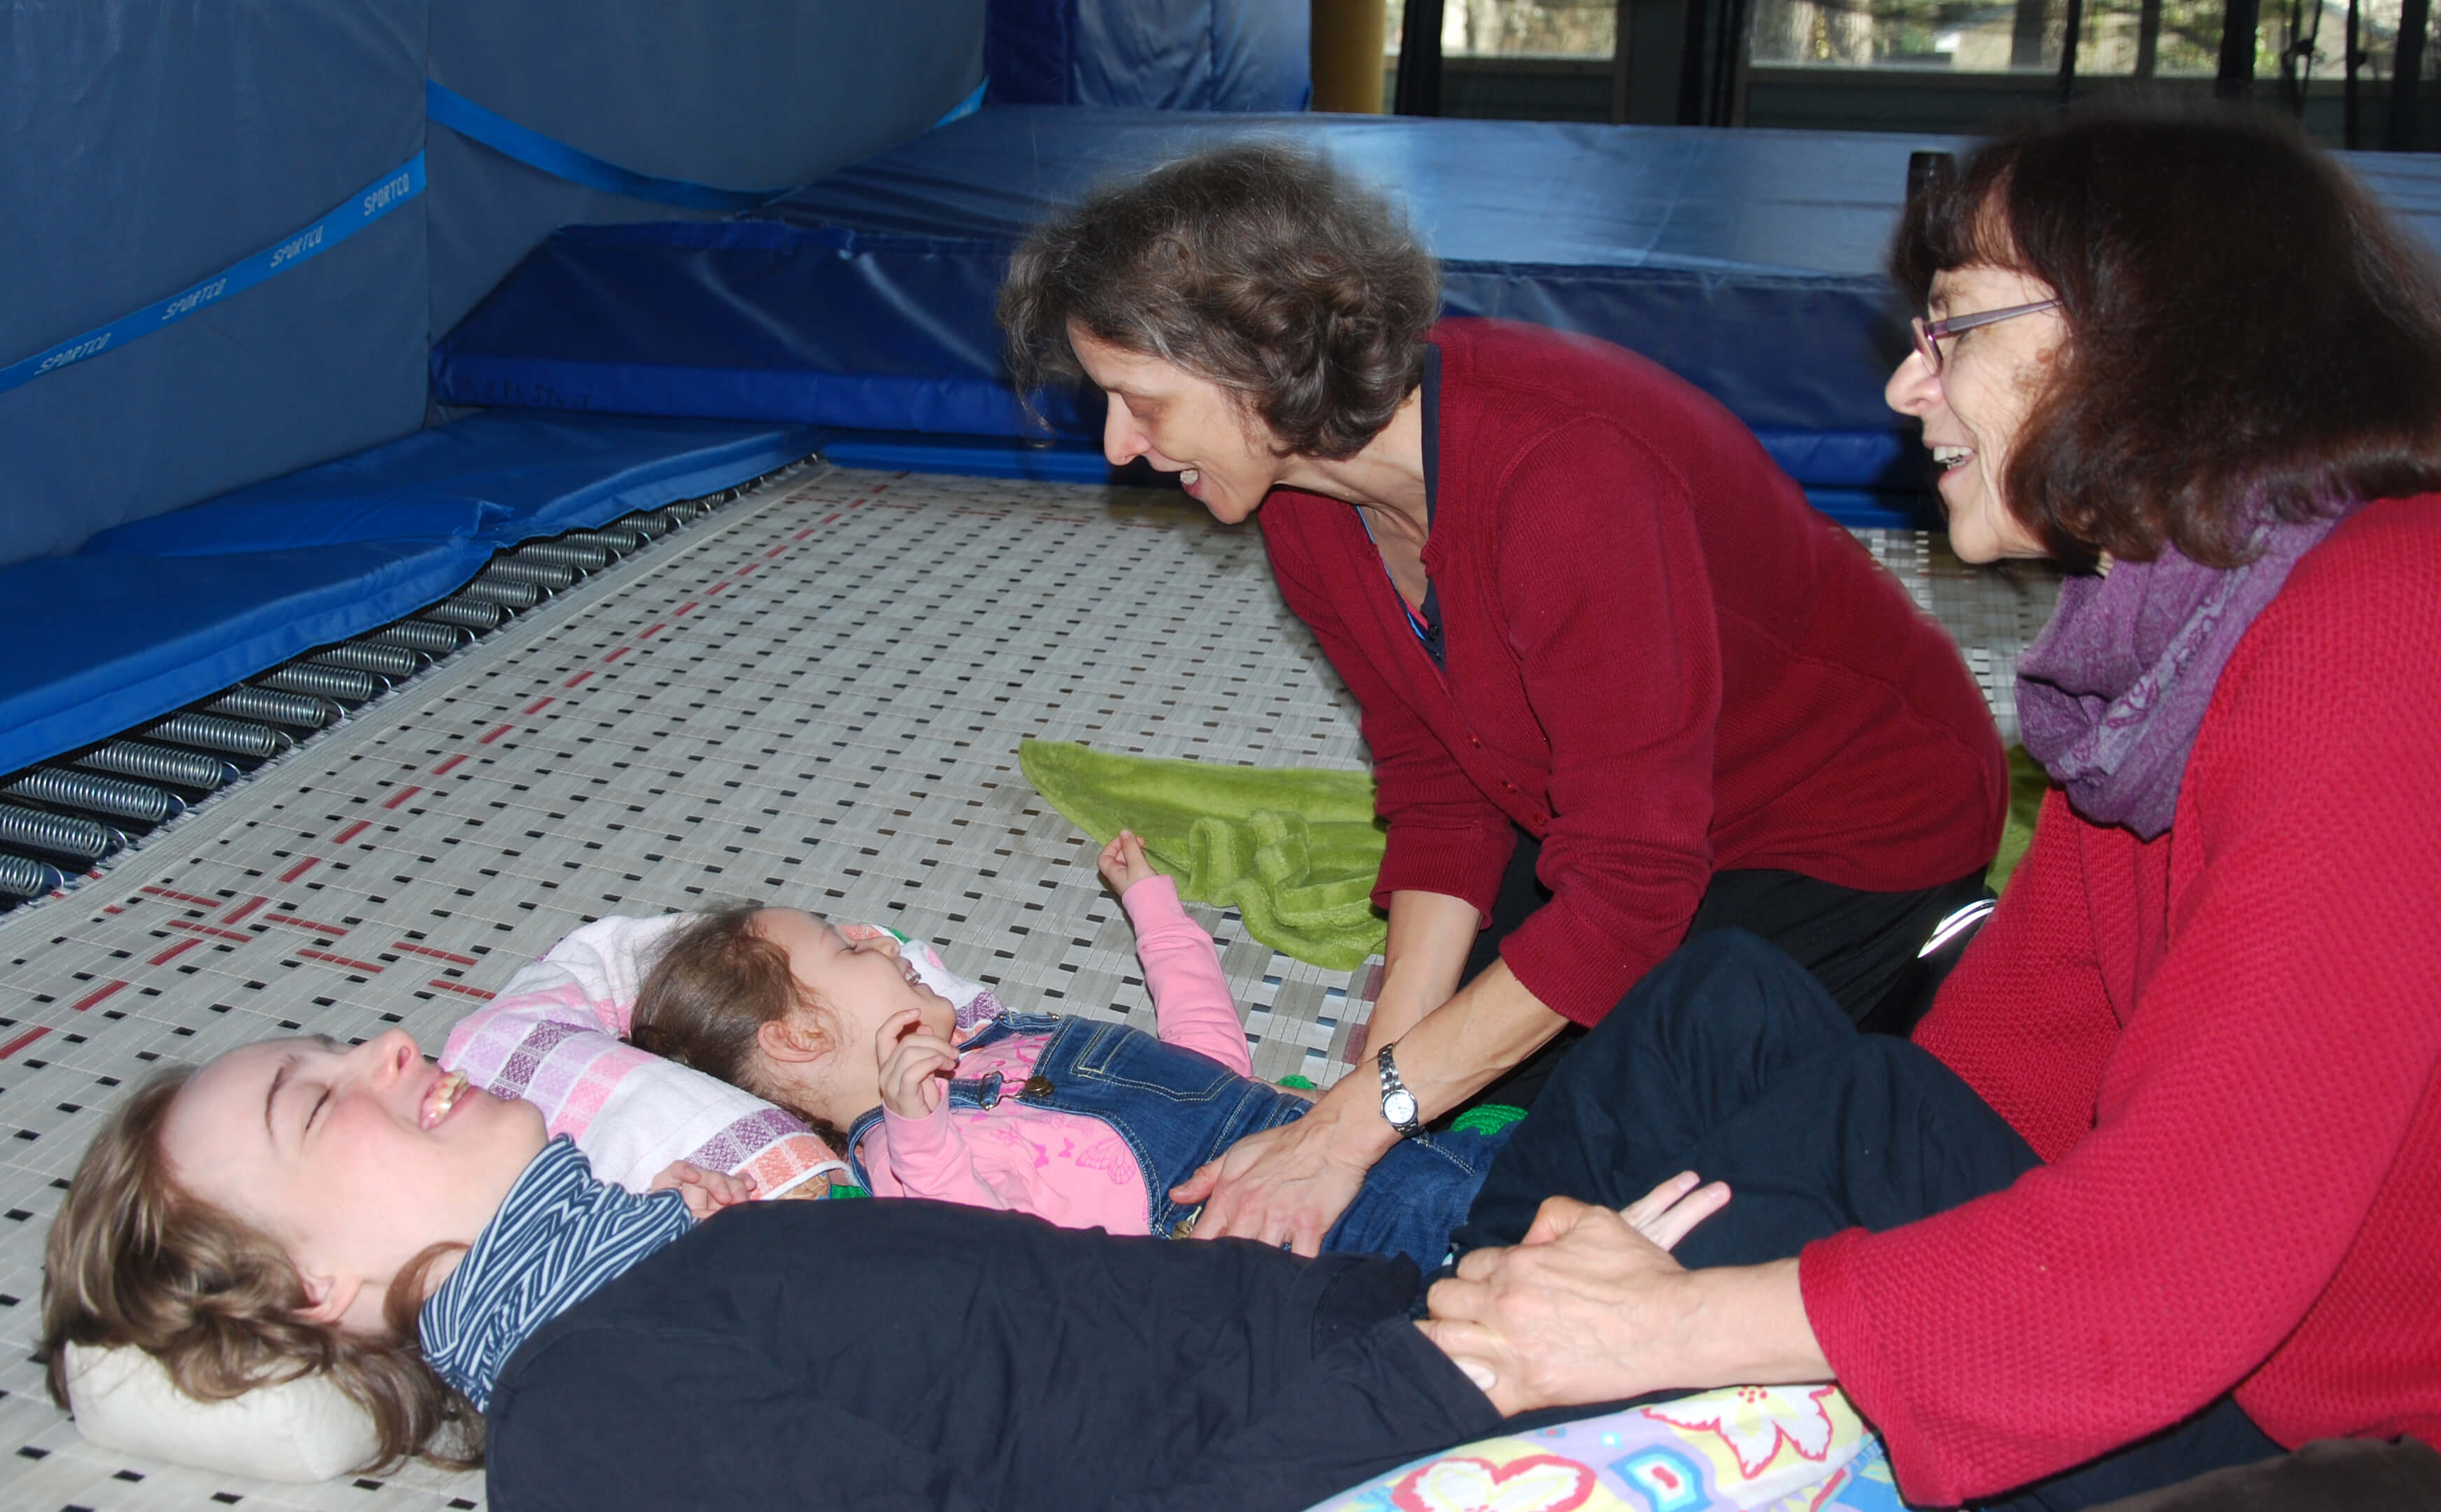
x=153, y=634
x=834, y=327
x=174, y=608
x=1075, y=461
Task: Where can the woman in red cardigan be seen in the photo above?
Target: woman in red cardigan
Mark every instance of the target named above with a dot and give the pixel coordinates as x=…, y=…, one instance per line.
x=1620, y=683
x=2156, y=1188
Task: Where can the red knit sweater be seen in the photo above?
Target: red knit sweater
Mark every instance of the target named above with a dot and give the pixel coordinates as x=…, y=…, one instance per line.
x=2225, y=1043
x=1660, y=660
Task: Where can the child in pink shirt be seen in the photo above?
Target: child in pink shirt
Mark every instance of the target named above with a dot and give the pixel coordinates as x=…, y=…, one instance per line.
x=1085, y=1124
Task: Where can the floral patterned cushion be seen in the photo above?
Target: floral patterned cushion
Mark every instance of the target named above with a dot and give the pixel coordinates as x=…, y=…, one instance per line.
x=1749, y=1448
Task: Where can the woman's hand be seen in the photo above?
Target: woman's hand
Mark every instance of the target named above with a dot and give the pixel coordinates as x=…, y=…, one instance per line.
x=1282, y=1186
x=705, y=1193
x=1588, y=1308
x=1123, y=864
x=915, y=1066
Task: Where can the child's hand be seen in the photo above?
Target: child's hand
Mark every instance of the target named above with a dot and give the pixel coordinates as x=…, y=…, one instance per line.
x=1122, y=862
x=704, y=1191
x=915, y=1064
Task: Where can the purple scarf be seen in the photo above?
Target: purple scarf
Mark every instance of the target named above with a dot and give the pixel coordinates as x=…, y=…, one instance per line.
x=2111, y=694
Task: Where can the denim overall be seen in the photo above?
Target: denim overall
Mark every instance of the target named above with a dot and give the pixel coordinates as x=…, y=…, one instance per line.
x=1177, y=1110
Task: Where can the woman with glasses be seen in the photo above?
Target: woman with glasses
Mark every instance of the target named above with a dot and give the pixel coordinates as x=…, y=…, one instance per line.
x=1620, y=683
x=2153, y=1189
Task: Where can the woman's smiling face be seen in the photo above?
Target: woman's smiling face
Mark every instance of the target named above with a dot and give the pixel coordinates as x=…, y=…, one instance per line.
x=354, y=1160
x=1974, y=409
x=1180, y=424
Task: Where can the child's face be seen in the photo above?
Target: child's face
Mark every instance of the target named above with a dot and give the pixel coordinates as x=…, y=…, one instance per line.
x=355, y=1159
x=867, y=988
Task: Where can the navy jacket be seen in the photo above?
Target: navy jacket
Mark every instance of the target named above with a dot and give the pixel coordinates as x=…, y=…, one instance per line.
x=903, y=1355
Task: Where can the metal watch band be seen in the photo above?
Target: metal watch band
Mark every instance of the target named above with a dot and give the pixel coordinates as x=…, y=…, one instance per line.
x=1398, y=1106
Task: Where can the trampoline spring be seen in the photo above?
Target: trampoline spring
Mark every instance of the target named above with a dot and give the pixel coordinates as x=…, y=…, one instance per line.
x=420, y=635
x=574, y=556
x=113, y=796
x=389, y=661
x=57, y=834
x=467, y=614
x=550, y=575
x=328, y=682
x=298, y=710
x=25, y=879
x=617, y=542
x=160, y=764
x=650, y=524
x=502, y=592
x=212, y=733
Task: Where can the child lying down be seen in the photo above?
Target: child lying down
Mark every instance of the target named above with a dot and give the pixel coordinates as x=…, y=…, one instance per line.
x=1085, y=1124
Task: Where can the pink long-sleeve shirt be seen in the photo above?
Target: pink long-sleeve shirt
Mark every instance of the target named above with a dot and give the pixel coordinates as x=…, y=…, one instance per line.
x=1069, y=1169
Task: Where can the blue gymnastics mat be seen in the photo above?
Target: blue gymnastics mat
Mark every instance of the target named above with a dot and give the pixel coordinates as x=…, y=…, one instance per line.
x=1747, y=262
x=153, y=615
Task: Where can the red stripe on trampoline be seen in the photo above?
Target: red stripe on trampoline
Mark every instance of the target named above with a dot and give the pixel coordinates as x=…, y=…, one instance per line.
x=94, y=997
x=184, y=897
x=205, y=928
x=293, y=921
x=579, y=677
x=113, y=907
x=801, y=535
x=652, y=630
x=616, y=654
x=493, y=734
x=300, y=869
x=22, y=1041
x=351, y=832
x=243, y=909
x=445, y=768
x=173, y=952
x=781, y=546
x=717, y=589
x=339, y=960
x=539, y=705
x=400, y=797
x=687, y=608
x=451, y=986
x=832, y=519
x=437, y=955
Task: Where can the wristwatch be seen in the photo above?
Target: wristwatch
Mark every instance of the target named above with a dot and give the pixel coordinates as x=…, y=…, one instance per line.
x=1397, y=1103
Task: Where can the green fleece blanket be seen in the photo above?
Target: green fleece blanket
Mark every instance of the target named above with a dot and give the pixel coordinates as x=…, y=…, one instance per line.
x=1294, y=851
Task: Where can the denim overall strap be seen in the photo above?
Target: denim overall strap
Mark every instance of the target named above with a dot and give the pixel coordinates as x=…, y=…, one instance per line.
x=975, y=1093
x=1174, y=1107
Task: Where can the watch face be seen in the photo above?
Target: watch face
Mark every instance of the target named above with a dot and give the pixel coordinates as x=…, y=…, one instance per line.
x=1400, y=1108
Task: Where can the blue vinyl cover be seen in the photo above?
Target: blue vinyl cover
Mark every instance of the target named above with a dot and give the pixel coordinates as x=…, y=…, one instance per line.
x=173, y=609
x=1747, y=262
x=1228, y=55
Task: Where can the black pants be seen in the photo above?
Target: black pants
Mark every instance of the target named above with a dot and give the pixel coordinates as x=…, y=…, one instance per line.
x=1730, y=1060
x=1860, y=945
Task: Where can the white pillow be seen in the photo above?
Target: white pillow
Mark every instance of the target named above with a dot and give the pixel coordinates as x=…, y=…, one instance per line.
x=304, y=1430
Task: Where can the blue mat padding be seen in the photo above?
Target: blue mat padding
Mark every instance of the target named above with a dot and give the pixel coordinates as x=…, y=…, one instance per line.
x=1747, y=262
x=155, y=614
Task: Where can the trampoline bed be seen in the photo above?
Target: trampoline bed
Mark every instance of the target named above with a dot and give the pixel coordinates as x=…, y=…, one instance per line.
x=810, y=697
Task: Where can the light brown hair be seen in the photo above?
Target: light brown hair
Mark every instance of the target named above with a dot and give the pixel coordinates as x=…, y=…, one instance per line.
x=134, y=1259
x=1257, y=268
x=713, y=985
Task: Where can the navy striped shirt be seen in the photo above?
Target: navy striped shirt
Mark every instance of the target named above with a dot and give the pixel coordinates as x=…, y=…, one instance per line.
x=560, y=1236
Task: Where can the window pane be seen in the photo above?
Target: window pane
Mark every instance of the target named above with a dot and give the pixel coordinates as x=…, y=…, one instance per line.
x=1519, y=29
x=2025, y=36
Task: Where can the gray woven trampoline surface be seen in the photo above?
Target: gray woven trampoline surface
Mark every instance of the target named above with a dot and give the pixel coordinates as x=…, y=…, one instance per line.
x=815, y=697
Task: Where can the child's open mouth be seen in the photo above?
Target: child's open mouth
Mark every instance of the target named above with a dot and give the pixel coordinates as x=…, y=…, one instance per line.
x=442, y=1097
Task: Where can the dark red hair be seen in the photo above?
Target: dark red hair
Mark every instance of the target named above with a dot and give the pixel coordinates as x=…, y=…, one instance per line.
x=2250, y=335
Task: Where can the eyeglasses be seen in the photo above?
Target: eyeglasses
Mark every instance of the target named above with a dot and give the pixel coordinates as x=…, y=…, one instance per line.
x=1929, y=334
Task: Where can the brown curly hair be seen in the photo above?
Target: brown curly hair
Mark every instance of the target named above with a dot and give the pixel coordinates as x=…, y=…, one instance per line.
x=1257, y=268
x=132, y=1259
x=2249, y=334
